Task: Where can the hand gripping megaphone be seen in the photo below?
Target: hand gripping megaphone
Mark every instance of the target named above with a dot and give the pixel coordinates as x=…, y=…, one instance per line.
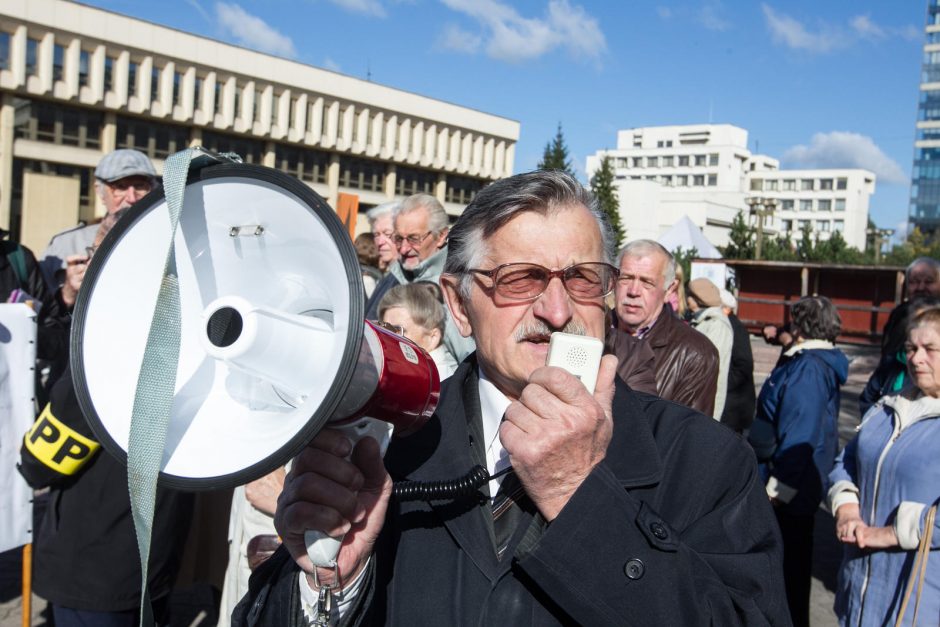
x=273, y=345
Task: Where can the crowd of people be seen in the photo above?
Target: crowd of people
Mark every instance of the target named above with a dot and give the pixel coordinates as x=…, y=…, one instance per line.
x=672, y=495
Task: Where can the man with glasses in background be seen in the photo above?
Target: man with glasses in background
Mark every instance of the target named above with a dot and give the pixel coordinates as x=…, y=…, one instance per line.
x=122, y=177
x=618, y=508
x=420, y=230
x=380, y=222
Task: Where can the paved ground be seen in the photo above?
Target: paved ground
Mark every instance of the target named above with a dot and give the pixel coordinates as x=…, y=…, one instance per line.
x=194, y=606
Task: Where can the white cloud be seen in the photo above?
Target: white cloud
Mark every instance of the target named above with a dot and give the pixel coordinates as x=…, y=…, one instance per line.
x=793, y=34
x=866, y=28
x=366, y=7
x=330, y=64
x=508, y=36
x=253, y=32
x=459, y=40
x=911, y=33
x=198, y=7
x=710, y=17
x=840, y=149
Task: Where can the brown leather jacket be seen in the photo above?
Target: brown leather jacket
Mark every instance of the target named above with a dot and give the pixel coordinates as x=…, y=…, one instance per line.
x=636, y=361
x=686, y=362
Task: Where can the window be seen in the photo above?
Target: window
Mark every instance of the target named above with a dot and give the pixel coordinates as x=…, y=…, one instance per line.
x=699, y=180
x=32, y=57
x=637, y=162
x=841, y=183
x=154, y=84
x=825, y=184
x=666, y=180
x=667, y=162
x=652, y=162
x=699, y=160
x=824, y=205
x=153, y=139
x=660, y=144
x=806, y=185
x=177, y=88
x=806, y=205
x=410, y=181
x=83, y=60
x=757, y=185
x=109, y=74
x=307, y=165
x=248, y=149
x=802, y=224
x=683, y=160
x=822, y=225
x=4, y=50
x=58, y=62
x=789, y=185
x=713, y=159
x=361, y=174
x=770, y=185
x=132, y=68
x=838, y=225
x=462, y=190
x=67, y=126
x=622, y=162
x=787, y=224
x=682, y=180
x=840, y=204
x=712, y=180
x=786, y=205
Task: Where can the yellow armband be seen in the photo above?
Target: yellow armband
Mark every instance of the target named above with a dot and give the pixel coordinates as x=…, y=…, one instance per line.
x=57, y=445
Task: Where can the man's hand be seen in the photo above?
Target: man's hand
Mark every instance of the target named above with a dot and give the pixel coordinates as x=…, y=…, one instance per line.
x=74, y=275
x=876, y=537
x=262, y=493
x=849, y=523
x=324, y=492
x=556, y=433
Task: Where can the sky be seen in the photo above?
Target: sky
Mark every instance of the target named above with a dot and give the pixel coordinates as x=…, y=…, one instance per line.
x=829, y=84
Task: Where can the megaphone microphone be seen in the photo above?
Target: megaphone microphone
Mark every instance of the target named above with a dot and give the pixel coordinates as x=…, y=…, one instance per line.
x=273, y=345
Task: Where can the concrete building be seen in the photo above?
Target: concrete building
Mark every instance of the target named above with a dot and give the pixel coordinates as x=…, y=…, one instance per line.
x=706, y=172
x=77, y=82
x=924, y=211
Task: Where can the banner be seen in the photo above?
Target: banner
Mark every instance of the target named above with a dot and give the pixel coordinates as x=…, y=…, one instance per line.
x=17, y=363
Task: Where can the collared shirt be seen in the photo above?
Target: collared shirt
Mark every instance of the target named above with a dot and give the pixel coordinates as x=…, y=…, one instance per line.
x=493, y=405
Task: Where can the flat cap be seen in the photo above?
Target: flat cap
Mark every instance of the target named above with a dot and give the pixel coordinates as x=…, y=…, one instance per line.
x=705, y=292
x=123, y=163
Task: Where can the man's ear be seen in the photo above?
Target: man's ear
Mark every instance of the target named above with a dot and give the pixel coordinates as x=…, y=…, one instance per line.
x=450, y=286
x=442, y=238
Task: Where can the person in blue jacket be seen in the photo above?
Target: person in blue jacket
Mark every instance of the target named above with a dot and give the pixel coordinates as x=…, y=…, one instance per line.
x=883, y=484
x=795, y=436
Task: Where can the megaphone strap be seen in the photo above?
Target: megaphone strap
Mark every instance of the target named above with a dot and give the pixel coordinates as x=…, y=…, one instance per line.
x=153, y=397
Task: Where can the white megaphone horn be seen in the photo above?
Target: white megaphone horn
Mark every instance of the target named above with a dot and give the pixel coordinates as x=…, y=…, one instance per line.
x=273, y=344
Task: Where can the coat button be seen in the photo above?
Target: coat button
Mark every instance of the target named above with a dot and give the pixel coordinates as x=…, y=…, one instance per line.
x=634, y=568
x=659, y=530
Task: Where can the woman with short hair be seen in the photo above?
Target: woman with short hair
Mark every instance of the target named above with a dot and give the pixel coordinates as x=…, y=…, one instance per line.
x=417, y=310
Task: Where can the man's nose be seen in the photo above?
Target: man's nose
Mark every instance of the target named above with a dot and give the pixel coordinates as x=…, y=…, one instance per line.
x=554, y=305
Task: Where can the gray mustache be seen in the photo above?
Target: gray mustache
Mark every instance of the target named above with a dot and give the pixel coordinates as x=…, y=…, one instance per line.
x=539, y=328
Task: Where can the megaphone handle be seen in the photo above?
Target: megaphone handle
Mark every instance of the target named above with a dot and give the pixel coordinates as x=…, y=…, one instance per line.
x=321, y=548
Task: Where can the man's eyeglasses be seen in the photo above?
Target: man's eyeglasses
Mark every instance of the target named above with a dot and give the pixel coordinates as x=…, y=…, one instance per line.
x=414, y=240
x=527, y=281
x=386, y=234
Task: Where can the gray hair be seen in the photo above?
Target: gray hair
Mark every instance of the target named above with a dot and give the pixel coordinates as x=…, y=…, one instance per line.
x=387, y=208
x=543, y=192
x=932, y=263
x=645, y=248
x=816, y=318
x=420, y=303
x=437, y=217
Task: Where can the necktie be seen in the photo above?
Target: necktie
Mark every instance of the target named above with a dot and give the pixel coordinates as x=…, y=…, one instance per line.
x=507, y=511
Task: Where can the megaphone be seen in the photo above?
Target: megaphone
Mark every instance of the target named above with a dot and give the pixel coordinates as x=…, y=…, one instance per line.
x=273, y=344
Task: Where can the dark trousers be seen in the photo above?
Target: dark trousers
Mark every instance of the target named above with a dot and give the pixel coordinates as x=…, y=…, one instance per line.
x=69, y=617
x=797, y=532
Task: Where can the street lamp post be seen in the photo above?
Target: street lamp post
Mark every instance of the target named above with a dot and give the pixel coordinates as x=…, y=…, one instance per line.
x=761, y=208
x=879, y=237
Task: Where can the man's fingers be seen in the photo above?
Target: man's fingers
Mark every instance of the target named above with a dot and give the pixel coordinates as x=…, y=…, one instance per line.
x=367, y=457
x=561, y=383
x=606, y=375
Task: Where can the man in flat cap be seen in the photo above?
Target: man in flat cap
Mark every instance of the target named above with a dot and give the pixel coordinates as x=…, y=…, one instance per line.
x=709, y=319
x=122, y=177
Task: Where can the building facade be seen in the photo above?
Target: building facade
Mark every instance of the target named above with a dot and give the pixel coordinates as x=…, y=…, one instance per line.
x=77, y=82
x=706, y=172
x=924, y=211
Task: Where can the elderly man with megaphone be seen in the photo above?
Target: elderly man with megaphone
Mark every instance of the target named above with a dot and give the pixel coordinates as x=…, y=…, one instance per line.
x=599, y=507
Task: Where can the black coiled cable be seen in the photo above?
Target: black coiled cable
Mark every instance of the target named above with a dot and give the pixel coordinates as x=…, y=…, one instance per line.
x=451, y=489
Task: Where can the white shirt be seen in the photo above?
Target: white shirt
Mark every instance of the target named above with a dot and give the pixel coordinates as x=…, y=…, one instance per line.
x=493, y=405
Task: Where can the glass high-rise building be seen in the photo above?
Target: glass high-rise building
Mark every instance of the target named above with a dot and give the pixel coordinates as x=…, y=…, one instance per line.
x=925, y=179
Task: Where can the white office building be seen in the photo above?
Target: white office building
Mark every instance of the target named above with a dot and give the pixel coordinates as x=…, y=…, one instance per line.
x=77, y=82
x=707, y=173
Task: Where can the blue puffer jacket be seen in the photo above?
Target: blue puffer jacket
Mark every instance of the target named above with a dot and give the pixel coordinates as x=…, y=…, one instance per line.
x=892, y=468
x=795, y=433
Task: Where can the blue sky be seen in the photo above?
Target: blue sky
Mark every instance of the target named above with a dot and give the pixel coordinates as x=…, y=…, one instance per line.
x=817, y=84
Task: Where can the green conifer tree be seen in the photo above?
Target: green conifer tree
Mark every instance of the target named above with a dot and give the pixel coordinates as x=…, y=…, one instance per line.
x=602, y=186
x=555, y=156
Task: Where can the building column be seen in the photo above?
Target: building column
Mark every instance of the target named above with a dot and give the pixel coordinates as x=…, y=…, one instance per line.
x=6, y=160
x=332, y=180
x=440, y=188
x=195, y=137
x=109, y=133
x=269, y=159
x=391, y=179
